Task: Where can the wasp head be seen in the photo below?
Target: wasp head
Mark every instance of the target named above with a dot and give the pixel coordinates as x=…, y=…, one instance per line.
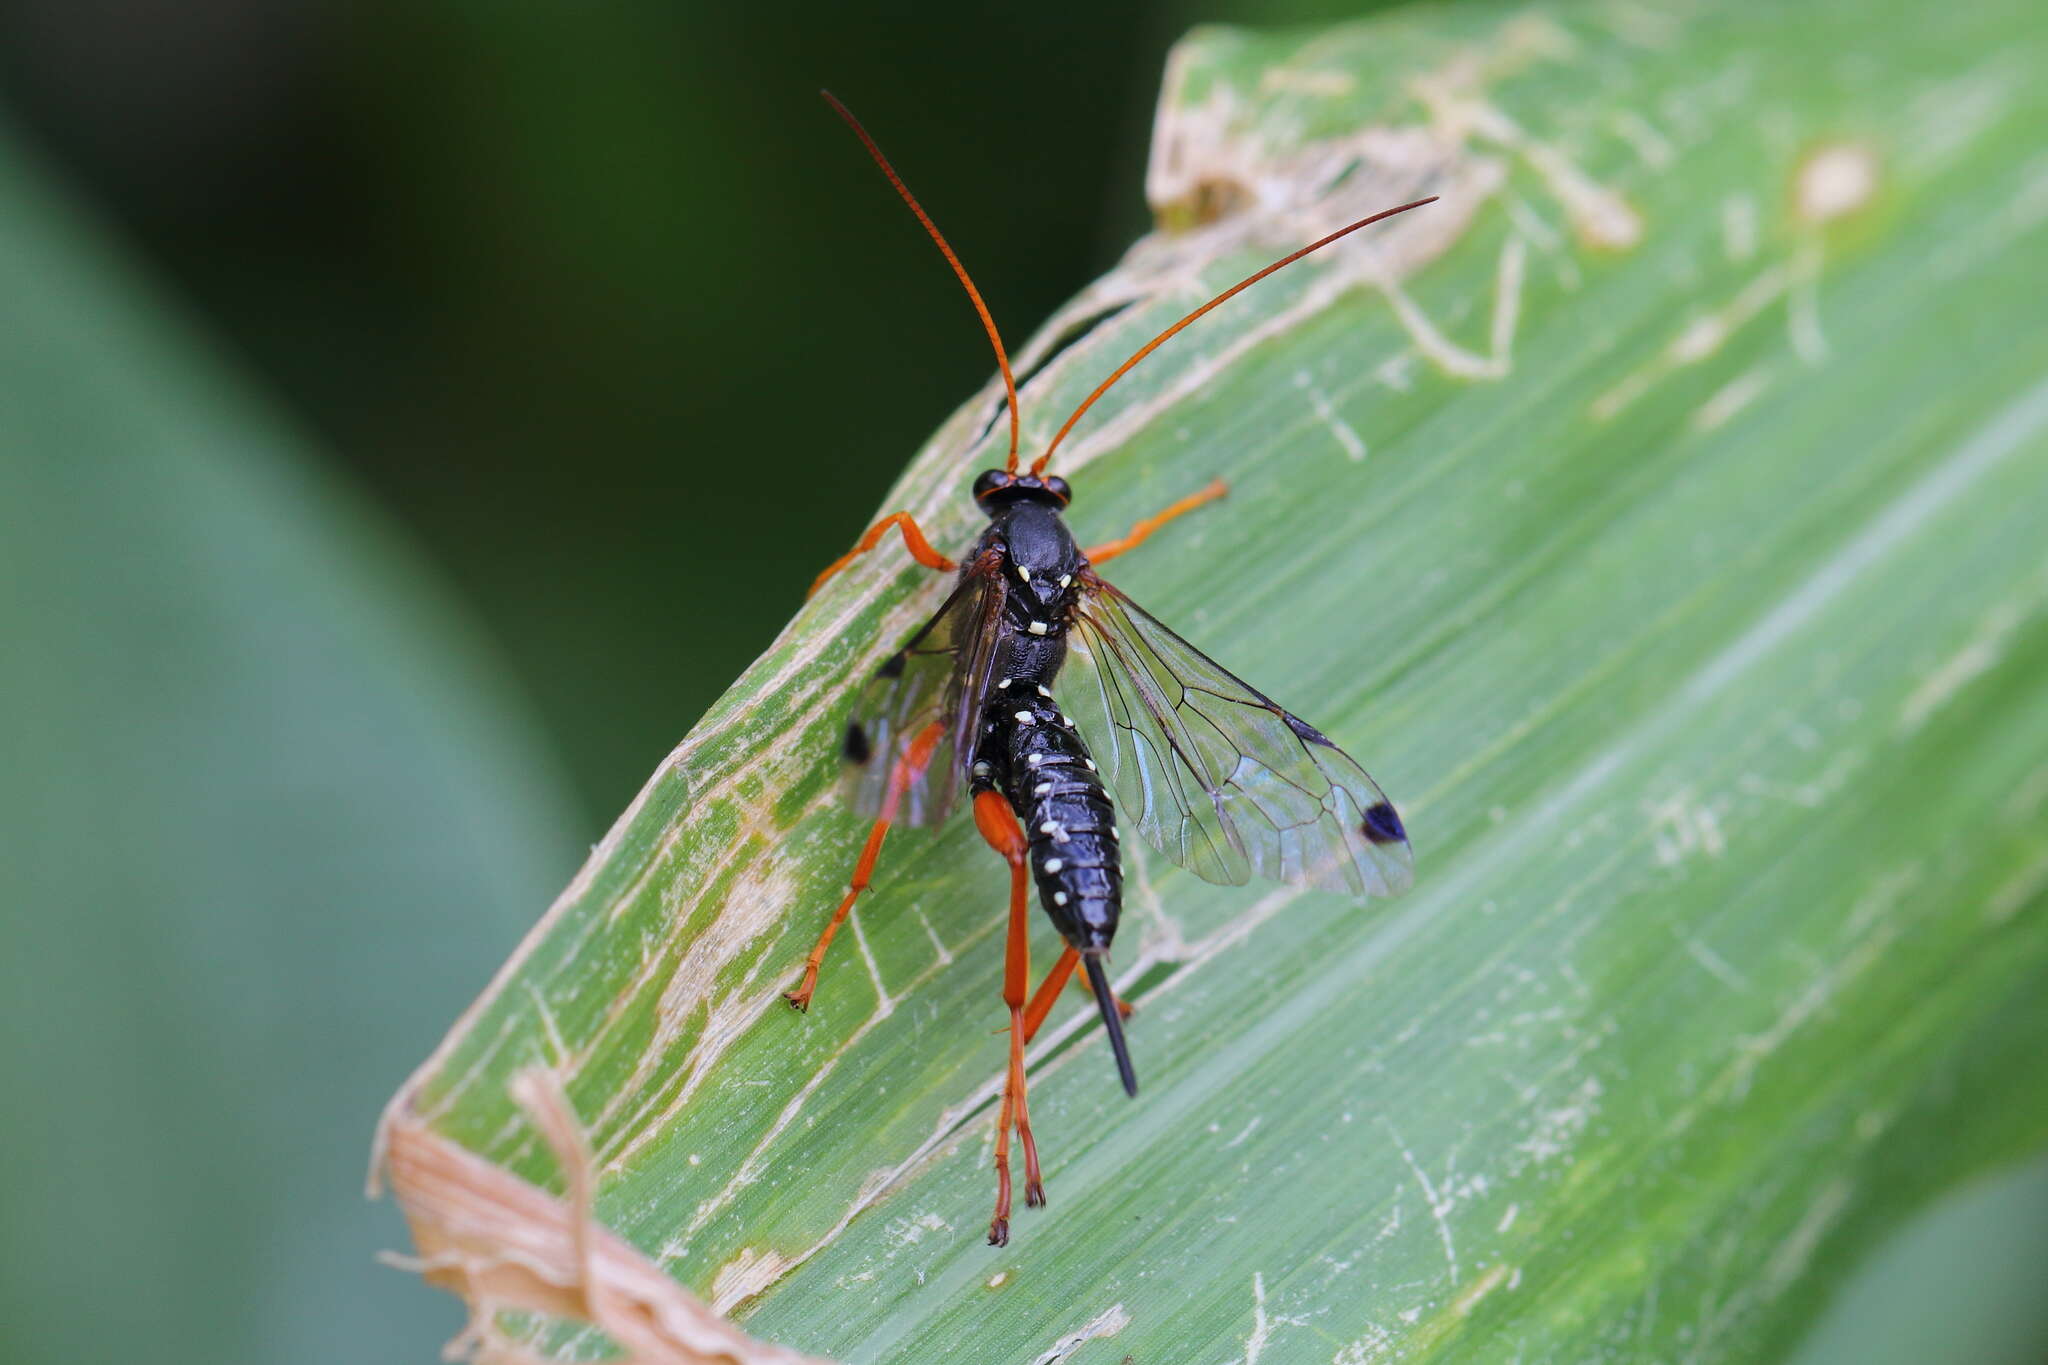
x=998, y=488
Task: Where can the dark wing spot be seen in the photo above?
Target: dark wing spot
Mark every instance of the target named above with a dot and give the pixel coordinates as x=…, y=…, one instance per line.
x=893, y=667
x=857, y=748
x=1304, y=729
x=1383, y=825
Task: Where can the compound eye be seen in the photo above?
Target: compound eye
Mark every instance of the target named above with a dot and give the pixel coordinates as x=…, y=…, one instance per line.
x=1057, y=486
x=989, y=482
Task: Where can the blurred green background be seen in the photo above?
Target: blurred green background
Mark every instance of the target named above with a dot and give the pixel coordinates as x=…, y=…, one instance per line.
x=540, y=275
x=411, y=417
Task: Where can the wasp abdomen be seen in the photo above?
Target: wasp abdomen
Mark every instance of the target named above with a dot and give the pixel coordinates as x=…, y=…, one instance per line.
x=1068, y=818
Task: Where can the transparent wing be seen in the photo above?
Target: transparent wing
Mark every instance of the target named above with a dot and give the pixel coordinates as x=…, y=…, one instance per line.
x=939, y=678
x=1215, y=774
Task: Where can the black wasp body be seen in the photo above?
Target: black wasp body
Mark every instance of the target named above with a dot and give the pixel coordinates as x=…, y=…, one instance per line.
x=1028, y=750
x=1210, y=771
x=1221, y=778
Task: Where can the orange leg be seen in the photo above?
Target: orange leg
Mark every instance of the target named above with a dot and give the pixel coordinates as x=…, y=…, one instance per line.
x=1048, y=993
x=913, y=539
x=1144, y=529
x=998, y=824
x=912, y=762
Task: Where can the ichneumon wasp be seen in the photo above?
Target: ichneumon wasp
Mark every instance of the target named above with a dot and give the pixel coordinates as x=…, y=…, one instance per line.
x=1219, y=777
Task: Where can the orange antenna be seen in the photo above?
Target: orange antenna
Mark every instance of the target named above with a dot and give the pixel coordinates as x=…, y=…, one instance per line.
x=1038, y=465
x=988, y=323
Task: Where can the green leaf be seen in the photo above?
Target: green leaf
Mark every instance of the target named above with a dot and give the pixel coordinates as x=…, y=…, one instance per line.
x=1658, y=516
x=268, y=815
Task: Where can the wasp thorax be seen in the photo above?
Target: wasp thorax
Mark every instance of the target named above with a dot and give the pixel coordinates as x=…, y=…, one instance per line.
x=1040, y=554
